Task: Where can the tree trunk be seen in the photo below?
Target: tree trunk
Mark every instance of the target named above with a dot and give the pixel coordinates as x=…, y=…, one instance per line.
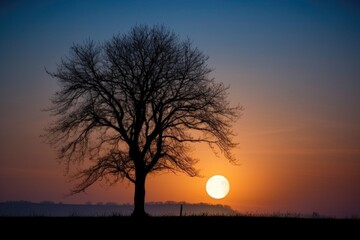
x=139, y=197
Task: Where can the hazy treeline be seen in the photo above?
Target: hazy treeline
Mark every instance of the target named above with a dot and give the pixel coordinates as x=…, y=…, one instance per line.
x=48, y=208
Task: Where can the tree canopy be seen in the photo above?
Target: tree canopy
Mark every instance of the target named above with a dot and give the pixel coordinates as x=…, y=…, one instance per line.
x=134, y=104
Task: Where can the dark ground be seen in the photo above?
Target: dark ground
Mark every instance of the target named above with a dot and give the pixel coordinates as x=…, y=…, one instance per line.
x=179, y=227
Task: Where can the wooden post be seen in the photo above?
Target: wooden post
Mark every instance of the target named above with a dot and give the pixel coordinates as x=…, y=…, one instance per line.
x=181, y=210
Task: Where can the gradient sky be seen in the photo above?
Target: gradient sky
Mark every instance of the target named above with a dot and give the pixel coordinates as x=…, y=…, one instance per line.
x=293, y=65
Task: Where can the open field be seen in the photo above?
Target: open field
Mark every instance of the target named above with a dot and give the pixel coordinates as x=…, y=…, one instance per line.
x=200, y=220
x=189, y=226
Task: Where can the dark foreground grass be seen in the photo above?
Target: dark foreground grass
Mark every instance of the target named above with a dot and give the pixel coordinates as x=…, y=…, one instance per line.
x=237, y=227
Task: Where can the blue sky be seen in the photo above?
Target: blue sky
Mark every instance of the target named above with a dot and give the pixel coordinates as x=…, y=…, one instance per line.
x=293, y=65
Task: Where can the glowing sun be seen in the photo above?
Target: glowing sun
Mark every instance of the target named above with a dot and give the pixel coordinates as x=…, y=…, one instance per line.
x=217, y=186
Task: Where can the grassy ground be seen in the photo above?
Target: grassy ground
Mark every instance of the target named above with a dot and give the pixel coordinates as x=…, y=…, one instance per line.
x=189, y=226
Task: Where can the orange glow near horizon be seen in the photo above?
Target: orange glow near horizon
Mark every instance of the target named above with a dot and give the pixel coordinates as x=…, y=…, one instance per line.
x=297, y=168
x=261, y=183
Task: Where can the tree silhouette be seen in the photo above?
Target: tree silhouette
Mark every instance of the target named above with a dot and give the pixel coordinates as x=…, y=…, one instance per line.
x=132, y=106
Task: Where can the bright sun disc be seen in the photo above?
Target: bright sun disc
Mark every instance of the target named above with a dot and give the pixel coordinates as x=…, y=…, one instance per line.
x=217, y=187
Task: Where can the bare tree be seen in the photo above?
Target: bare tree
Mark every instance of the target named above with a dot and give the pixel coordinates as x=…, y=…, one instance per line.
x=132, y=106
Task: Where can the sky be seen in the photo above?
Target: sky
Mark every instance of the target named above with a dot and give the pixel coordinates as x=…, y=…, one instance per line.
x=293, y=65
